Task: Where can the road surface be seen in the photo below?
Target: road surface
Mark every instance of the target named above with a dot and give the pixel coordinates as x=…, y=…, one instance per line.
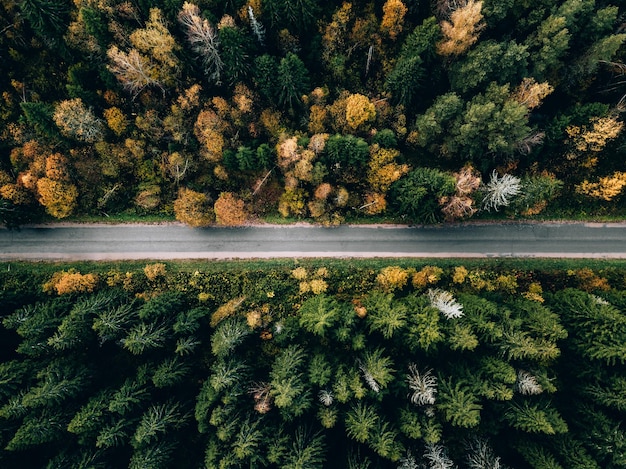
x=174, y=241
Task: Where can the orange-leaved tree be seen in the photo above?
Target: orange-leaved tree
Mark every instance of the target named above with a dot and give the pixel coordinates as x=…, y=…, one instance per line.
x=229, y=210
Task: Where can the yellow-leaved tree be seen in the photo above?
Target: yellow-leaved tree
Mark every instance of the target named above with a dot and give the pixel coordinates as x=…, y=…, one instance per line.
x=193, y=208
x=393, y=18
x=360, y=112
x=462, y=31
x=607, y=187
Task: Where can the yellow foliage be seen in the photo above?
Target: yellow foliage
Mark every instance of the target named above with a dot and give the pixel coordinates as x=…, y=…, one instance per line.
x=226, y=310
x=462, y=30
x=383, y=170
x=460, y=274
x=429, y=275
x=606, y=188
x=270, y=120
x=507, y=283
x=342, y=197
x=15, y=193
x=154, y=271
x=393, y=17
x=58, y=197
x=594, y=139
x=192, y=208
x=299, y=273
x=317, y=208
x=392, y=278
x=318, y=117
x=229, y=210
x=253, y=318
x=588, y=280
x=303, y=169
x=335, y=32
x=116, y=120
x=359, y=111
x=322, y=272
x=534, y=292
x=529, y=93
x=71, y=281
x=479, y=280
x=220, y=172
x=318, y=286
x=157, y=41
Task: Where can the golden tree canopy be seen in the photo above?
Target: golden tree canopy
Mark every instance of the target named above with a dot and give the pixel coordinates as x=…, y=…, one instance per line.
x=193, y=208
x=229, y=210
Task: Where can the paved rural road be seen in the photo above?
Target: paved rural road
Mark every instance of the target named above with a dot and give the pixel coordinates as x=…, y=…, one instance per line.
x=173, y=241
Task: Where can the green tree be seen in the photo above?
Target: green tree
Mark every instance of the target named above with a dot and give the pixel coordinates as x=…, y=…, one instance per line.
x=318, y=314
x=458, y=404
x=416, y=196
x=293, y=81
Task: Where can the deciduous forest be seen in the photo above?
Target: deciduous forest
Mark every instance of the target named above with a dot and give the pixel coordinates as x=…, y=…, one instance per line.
x=219, y=111
x=342, y=364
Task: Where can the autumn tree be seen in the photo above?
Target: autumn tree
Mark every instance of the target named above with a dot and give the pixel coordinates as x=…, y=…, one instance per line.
x=359, y=111
x=193, y=208
x=229, y=210
x=393, y=18
x=204, y=40
x=462, y=31
x=58, y=197
x=77, y=121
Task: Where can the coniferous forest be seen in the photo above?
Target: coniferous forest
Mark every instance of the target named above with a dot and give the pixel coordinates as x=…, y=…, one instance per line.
x=221, y=111
x=343, y=364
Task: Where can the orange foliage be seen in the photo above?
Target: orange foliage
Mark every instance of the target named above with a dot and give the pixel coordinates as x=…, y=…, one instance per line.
x=529, y=93
x=57, y=167
x=229, y=210
x=374, y=203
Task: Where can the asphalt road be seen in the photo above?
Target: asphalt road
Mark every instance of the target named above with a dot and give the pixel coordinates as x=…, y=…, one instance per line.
x=173, y=241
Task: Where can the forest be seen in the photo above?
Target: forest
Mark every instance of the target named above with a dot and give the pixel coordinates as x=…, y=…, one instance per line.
x=222, y=111
x=314, y=364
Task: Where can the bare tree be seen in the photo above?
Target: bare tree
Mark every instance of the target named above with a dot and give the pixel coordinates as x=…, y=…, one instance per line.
x=500, y=190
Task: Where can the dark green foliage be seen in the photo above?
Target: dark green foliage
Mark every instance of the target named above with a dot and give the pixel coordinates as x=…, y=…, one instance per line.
x=346, y=153
x=416, y=196
x=48, y=18
x=293, y=81
x=313, y=384
x=235, y=45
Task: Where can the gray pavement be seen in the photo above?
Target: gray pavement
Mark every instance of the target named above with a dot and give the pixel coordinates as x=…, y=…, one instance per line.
x=174, y=241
